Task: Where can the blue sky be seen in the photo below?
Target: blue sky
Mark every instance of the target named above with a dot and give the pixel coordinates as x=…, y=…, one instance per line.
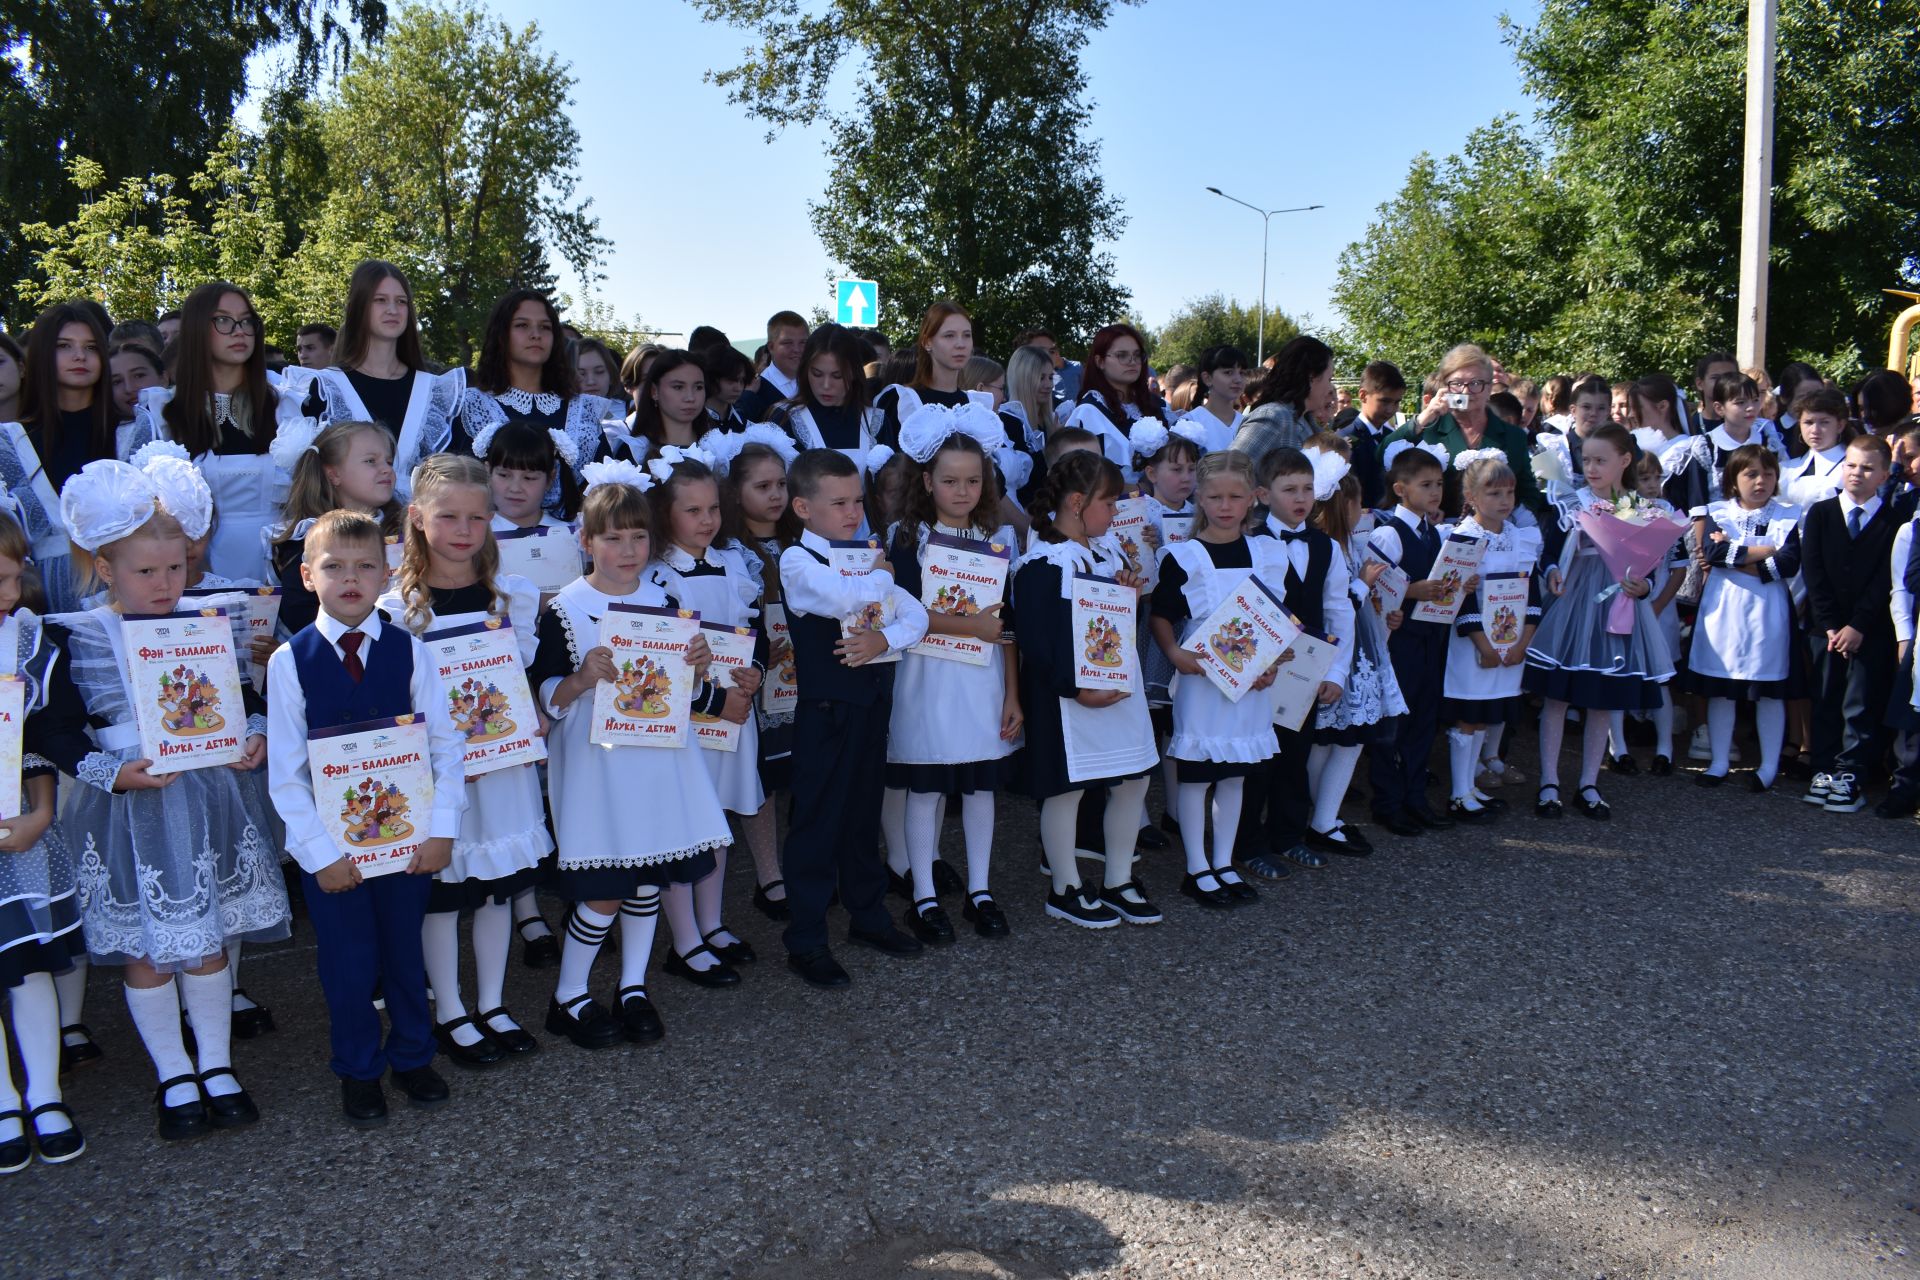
x=1275, y=102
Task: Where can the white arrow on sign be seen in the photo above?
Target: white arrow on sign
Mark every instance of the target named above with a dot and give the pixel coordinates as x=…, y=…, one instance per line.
x=857, y=305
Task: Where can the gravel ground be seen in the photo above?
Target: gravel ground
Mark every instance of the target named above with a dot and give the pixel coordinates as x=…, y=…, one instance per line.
x=1533, y=1050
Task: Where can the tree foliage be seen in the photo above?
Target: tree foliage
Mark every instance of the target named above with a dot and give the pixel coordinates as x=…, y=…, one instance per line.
x=1215, y=321
x=963, y=171
x=1618, y=225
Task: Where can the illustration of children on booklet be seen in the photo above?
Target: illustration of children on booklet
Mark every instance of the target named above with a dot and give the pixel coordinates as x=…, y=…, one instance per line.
x=479, y=711
x=188, y=704
x=1449, y=589
x=643, y=687
x=955, y=600
x=1233, y=643
x=1506, y=626
x=373, y=813
x=1103, y=643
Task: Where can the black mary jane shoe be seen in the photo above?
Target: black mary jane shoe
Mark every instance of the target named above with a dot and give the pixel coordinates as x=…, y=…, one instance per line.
x=1709, y=779
x=584, y=1022
x=929, y=922
x=1625, y=766
x=1239, y=890
x=515, y=1041
x=1545, y=808
x=57, y=1148
x=1153, y=839
x=363, y=1102
x=639, y=1020
x=251, y=1023
x=735, y=952
x=479, y=1055
x=946, y=881
x=78, y=1055
x=423, y=1086
x=988, y=920
x=16, y=1153
x=719, y=974
x=1662, y=767
x=542, y=952
x=1400, y=825
x=186, y=1120
x=819, y=969
x=227, y=1110
x=1206, y=889
x=775, y=909
x=1595, y=808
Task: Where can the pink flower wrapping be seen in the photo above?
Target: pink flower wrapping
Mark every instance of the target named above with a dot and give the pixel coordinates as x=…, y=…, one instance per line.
x=1629, y=547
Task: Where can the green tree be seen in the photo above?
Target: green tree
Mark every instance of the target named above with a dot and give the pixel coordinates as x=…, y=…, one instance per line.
x=962, y=171
x=139, y=87
x=1215, y=321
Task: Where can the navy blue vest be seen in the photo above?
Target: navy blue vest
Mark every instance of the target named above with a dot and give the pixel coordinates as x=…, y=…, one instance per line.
x=818, y=670
x=334, y=699
x=1416, y=557
x=1306, y=597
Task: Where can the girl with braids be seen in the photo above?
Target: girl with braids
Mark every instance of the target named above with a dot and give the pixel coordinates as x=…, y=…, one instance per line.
x=449, y=577
x=1079, y=738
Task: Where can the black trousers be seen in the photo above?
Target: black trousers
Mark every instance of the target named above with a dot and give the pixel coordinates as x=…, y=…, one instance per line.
x=839, y=775
x=1850, y=698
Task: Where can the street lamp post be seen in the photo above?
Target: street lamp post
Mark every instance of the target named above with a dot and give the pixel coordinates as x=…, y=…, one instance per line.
x=1266, y=216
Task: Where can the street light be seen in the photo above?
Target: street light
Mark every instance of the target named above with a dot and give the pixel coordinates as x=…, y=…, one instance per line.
x=1265, y=216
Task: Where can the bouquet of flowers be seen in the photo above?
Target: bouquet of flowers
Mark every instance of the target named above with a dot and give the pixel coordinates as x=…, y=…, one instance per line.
x=1632, y=536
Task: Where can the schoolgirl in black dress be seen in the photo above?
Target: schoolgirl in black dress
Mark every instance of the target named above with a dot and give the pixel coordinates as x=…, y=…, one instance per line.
x=1115, y=393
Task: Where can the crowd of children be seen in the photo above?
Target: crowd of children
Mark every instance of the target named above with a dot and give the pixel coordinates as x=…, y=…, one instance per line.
x=871, y=605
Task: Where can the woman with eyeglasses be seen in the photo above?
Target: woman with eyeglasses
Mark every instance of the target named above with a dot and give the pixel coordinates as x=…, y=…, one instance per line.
x=1115, y=393
x=1459, y=419
x=224, y=410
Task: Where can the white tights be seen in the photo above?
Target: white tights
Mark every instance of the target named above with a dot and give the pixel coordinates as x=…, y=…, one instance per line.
x=1059, y=819
x=1191, y=797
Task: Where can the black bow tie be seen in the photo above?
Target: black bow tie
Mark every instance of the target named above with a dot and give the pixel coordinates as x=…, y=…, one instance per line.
x=1293, y=535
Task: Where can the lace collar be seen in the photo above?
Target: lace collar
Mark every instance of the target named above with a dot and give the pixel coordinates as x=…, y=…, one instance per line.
x=680, y=560
x=526, y=402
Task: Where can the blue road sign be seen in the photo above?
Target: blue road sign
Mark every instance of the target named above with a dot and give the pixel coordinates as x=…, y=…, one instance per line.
x=858, y=302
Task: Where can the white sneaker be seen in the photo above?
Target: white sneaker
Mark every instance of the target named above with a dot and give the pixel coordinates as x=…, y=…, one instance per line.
x=1698, y=748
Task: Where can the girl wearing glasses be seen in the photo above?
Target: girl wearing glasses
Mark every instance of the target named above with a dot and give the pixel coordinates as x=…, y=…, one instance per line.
x=1115, y=394
x=223, y=410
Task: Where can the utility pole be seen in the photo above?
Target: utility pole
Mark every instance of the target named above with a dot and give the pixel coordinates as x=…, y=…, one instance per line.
x=1756, y=192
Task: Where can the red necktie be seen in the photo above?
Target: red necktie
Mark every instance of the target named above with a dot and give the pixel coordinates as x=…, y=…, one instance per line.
x=350, y=654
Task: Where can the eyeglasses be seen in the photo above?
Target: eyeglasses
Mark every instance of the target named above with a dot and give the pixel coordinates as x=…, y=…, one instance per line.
x=1475, y=384
x=1126, y=357
x=226, y=325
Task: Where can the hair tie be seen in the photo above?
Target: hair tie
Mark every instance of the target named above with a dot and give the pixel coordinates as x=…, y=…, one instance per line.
x=293, y=440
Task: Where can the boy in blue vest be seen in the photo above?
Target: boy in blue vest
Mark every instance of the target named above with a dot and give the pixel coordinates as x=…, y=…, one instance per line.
x=351, y=665
x=840, y=723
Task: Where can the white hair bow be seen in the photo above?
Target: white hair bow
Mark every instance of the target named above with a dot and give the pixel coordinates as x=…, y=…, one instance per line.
x=932, y=425
x=1467, y=457
x=876, y=458
x=293, y=440
x=1193, y=431
x=104, y=502
x=1147, y=437
x=1329, y=469
x=158, y=449
x=1398, y=447
x=672, y=455
x=182, y=492
x=614, y=471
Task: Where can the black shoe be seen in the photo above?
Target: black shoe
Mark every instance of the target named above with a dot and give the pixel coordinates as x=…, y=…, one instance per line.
x=1351, y=843
x=515, y=1041
x=819, y=968
x=16, y=1153
x=55, y=1148
x=187, y=1120
x=1900, y=803
x=542, y=952
x=639, y=1021
x=1130, y=902
x=1206, y=890
x=1625, y=766
x=888, y=941
x=1077, y=906
x=1301, y=856
x=735, y=952
x=713, y=977
x=1239, y=890
x=1400, y=824
x=1545, y=808
x=1595, y=808
x=231, y=1110
x=584, y=1022
x=1429, y=819
x=78, y=1055
x=929, y=923
x=479, y=1055
x=775, y=909
x=946, y=881
x=1457, y=810
x=900, y=886
x=989, y=921
x=1708, y=779
x=1756, y=786
x=423, y=1086
x=1661, y=767
x=249, y=1023
x=1152, y=839
x=364, y=1102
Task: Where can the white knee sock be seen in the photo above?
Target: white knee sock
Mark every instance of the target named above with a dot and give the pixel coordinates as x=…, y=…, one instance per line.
x=1553, y=728
x=923, y=840
x=492, y=941
x=976, y=822
x=639, y=920
x=1490, y=741
x=1318, y=756
x=1332, y=789
x=1059, y=823
x=1191, y=800
x=1593, y=748
x=586, y=930
x=208, y=998
x=71, y=986
x=893, y=829
x=36, y=1028
x=677, y=902
x=1770, y=718
x=1616, y=733
x=1663, y=724
x=1121, y=830
x=707, y=895
x=1228, y=794
x=1720, y=716
x=526, y=910
x=440, y=944
x=156, y=1016
x=1463, y=755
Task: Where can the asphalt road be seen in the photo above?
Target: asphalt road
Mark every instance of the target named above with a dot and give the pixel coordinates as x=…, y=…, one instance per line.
x=1679, y=1044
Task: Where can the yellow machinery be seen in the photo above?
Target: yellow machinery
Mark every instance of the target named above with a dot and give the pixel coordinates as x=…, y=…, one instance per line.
x=1903, y=326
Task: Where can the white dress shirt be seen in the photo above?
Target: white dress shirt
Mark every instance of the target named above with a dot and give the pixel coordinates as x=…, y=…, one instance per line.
x=289, y=778
x=1902, y=598
x=825, y=592
x=1336, y=605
